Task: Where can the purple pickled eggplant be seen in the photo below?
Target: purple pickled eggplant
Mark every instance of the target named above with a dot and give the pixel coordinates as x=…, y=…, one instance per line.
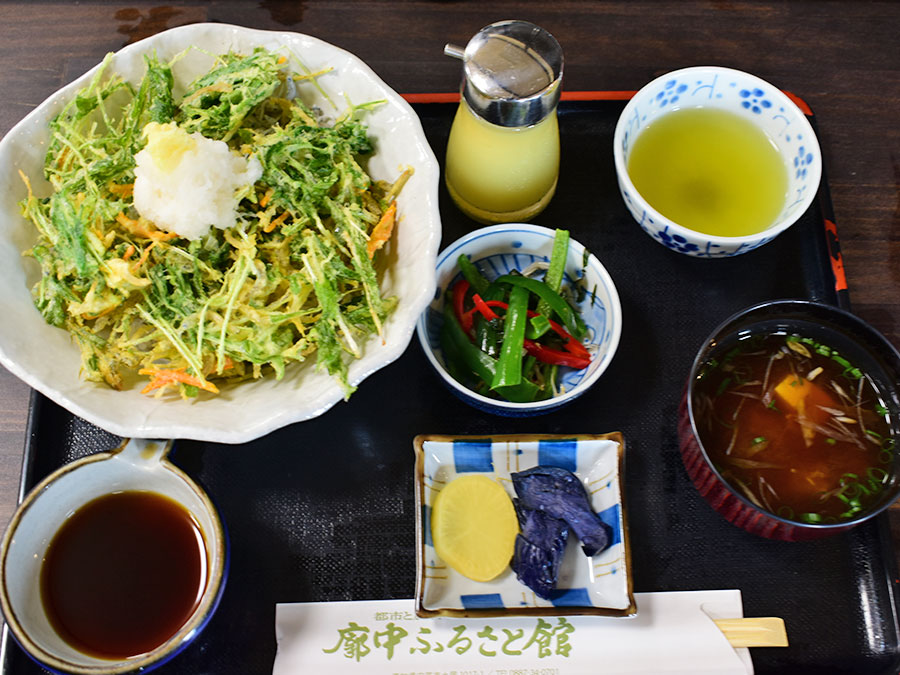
x=540, y=528
x=539, y=549
x=535, y=567
x=559, y=493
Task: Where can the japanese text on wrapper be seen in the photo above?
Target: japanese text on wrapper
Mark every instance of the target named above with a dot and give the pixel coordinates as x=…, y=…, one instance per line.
x=546, y=639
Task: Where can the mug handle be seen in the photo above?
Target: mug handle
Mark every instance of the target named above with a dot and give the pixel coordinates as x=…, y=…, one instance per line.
x=143, y=451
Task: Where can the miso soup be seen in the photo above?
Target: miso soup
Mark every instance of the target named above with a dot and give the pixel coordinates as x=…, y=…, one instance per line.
x=795, y=428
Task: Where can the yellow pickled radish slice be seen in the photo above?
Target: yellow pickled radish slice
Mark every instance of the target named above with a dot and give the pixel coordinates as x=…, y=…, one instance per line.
x=474, y=526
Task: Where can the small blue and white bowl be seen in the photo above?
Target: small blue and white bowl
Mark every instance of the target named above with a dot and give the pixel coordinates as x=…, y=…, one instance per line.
x=497, y=250
x=743, y=94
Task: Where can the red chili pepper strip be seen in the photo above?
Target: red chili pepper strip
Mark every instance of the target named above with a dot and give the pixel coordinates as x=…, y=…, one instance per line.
x=485, y=307
x=577, y=349
x=459, y=297
x=469, y=318
x=555, y=356
x=572, y=345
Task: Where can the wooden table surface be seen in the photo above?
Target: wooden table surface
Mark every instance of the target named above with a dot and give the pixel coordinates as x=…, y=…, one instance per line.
x=842, y=58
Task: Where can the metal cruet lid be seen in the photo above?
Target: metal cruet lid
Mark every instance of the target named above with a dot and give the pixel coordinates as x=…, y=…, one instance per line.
x=513, y=73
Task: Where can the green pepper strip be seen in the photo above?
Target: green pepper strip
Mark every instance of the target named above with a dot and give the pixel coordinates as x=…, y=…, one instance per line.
x=509, y=366
x=486, y=337
x=535, y=322
x=482, y=365
x=557, y=268
x=472, y=275
x=453, y=358
x=486, y=329
x=538, y=325
x=555, y=300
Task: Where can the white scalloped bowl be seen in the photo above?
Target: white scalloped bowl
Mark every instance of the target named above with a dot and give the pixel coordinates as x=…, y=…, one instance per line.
x=47, y=359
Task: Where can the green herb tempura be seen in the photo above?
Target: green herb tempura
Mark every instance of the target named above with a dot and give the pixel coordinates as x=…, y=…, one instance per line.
x=160, y=267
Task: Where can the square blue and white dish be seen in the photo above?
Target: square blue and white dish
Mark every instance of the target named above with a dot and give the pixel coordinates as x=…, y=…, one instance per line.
x=599, y=585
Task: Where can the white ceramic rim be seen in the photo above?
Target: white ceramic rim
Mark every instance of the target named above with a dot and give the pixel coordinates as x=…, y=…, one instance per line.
x=215, y=543
x=151, y=426
x=615, y=314
x=770, y=232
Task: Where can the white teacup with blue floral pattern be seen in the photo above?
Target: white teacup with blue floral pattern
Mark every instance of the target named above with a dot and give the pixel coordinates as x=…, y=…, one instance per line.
x=753, y=99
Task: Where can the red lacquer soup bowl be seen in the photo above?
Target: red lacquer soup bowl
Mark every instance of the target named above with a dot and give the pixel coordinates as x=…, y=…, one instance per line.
x=857, y=343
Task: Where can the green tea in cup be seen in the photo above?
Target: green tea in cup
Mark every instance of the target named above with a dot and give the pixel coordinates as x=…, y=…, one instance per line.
x=710, y=170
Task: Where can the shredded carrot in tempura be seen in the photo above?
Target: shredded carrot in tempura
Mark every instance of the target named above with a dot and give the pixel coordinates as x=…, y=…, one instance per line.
x=61, y=157
x=121, y=189
x=103, y=313
x=382, y=231
x=275, y=223
x=167, y=376
x=143, y=257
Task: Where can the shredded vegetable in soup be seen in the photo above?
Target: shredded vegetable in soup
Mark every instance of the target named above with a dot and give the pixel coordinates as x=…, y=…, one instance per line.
x=217, y=237
x=796, y=428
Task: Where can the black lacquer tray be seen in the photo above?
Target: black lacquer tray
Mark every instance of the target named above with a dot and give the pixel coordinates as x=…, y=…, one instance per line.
x=324, y=510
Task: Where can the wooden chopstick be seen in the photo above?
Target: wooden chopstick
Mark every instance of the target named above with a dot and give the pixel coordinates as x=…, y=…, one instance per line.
x=754, y=632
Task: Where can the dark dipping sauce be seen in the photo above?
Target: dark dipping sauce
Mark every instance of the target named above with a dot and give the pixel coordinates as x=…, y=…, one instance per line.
x=795, y=428
x=123, y=574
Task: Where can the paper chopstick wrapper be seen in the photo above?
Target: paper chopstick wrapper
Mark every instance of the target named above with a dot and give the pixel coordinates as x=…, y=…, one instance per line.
x=673, y=633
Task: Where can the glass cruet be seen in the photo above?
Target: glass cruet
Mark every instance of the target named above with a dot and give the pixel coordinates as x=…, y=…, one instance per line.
x=503, y=152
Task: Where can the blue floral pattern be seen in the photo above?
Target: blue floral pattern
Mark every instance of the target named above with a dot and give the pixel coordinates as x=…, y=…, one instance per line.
x=675, y=241
x=754, y=101
x=671, y=93
x=802, y=160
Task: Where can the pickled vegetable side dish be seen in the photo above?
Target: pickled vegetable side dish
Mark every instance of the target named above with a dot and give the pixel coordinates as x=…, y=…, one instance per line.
x=795, y=428
x=473, y=526
x=508, y=338
x=480, y=532
x=551, y=502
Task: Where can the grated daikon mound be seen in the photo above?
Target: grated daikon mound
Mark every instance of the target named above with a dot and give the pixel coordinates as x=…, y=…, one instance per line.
x=187, y=183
